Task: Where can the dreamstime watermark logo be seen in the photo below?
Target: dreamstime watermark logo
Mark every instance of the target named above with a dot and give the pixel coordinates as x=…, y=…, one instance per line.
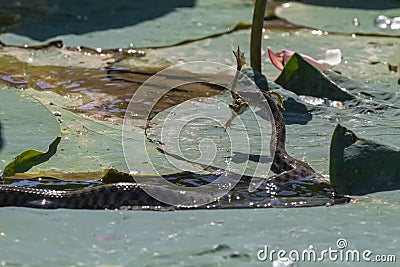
x=191, y=136
x=338, y=253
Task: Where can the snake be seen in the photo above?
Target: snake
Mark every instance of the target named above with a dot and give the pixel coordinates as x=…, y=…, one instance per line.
x=126, y=195
x=306, y=187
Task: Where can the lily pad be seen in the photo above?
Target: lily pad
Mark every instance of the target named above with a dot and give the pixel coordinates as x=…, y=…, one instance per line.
x=363, y=63
x=29, y=158
x=125, y=24
x=338, y=19
x=362, y=72
x=87, y=145
x=364, y=57
x=192, y=134
x=361, y=166
x=89, y=148
x=25, y=124
x=56, y=57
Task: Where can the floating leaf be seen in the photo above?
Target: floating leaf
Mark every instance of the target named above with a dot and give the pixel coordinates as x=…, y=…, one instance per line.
x=361, y=166
x=90, y=148
x=339, y=19
x=203, y=142
x=25, y=124
x=140, y=24
x=363, y=57
x=29, y=158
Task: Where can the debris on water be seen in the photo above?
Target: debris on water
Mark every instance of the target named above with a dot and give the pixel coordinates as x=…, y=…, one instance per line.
x=393, y=68
x=216, y=248
x=237, y=255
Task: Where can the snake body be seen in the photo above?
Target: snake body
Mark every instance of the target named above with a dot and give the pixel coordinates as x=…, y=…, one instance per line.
x=110, y=196
x=287, y=167
x=132, y=195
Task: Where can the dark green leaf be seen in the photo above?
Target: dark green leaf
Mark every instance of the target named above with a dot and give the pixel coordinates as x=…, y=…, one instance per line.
x=360, y=166
x=29, y=158
x=302, y=78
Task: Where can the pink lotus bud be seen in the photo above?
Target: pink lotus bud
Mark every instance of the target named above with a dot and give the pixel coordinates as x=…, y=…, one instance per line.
x=332, y=58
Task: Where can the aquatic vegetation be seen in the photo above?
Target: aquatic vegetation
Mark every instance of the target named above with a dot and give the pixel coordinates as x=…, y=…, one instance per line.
x=332, y=58
x=86, y=91
x=360, y=166
x=80, y=90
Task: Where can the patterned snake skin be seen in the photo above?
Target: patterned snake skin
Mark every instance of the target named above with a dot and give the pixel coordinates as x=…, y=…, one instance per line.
x=133, y=196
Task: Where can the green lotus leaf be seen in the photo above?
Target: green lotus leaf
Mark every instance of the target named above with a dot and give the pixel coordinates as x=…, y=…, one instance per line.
x=138, y=24
x=361, y=166
x=88, y=149
x=343, y=20
x=302, y=78
x=29, y=158
x=25, y=124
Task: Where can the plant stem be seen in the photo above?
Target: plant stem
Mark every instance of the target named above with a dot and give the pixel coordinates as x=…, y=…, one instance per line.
x=256, y=34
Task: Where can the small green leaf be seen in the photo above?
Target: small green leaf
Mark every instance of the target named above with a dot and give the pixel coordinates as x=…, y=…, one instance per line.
x=29, y=158
x=291, y=67
x=115, y=176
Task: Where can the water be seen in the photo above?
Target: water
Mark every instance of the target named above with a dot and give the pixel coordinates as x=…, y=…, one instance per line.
x=193, y=238
x=104, y=92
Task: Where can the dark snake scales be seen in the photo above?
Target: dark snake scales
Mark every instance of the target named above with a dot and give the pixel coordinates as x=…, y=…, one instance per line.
x=133, y=196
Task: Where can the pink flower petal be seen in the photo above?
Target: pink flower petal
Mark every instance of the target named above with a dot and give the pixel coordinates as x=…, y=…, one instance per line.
x=276, y=59
x=331, y=59
x=287, y=54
